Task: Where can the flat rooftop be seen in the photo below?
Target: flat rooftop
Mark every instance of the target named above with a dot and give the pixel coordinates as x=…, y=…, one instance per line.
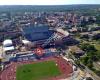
x=35, y=33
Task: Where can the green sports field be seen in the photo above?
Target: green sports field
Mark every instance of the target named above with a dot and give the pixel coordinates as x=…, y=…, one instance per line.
x=37, y=71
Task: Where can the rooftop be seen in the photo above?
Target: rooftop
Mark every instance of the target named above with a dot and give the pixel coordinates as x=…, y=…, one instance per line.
x=35, y=33
x=35, y=29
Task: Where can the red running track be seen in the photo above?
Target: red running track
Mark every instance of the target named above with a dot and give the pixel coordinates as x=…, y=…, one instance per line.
x=10, y=72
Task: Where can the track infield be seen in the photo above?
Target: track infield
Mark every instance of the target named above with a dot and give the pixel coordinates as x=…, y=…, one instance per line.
x=37, y=71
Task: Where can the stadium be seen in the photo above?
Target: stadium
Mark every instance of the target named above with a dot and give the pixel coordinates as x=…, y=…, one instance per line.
x=41, y=63
x=43, y=35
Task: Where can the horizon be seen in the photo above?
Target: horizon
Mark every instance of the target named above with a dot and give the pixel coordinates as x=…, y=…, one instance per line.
x=55, y=5
x=48, y=2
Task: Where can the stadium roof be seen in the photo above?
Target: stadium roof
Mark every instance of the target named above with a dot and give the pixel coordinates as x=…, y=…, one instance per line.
x=30, y=29
x=37, y=33
x=65, y=33
x=6, y=42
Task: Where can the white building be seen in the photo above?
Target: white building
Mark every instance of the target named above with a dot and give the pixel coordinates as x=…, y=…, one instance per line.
x=8, y=45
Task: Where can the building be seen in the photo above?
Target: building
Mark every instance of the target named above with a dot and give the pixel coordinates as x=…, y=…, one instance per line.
x=37, y=33
x=76, y=50
x=8, y=45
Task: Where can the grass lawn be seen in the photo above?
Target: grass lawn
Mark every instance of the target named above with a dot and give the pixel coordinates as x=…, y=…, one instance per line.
x=37, y=71
x=97, y=46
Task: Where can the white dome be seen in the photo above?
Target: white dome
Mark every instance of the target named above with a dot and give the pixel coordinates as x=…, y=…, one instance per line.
x=7, y=42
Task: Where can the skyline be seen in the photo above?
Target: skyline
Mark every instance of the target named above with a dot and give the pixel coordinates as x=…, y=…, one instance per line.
x=47, y=2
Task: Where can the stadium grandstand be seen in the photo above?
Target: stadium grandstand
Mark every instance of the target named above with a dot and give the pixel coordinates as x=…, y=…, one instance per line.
x=36, y=33
x=43, y=35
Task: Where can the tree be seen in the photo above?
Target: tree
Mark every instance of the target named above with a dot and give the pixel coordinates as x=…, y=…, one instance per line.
x=87, y=47
x=98, y=54
x=85, y=60
x=97, y=72
x=77, y=62
x=91, y=48
x=90, y=63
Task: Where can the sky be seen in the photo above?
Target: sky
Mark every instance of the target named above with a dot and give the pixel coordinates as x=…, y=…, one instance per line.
x=47, y=2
